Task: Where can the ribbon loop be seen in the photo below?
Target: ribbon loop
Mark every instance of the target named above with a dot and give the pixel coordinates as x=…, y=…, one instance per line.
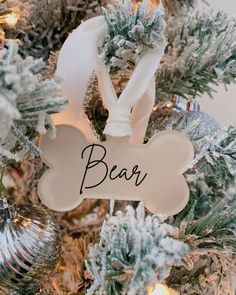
x=79, y=58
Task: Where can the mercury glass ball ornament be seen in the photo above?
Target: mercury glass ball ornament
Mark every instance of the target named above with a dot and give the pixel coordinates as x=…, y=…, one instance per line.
x=184, y=117
x=29, y=247
x=196, y=123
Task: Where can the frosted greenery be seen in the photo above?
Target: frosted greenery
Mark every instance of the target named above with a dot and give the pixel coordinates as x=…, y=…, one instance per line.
x=219, y=223
x=209, y=266
x=193, y=252
x=216, y=157
x=201, y=53
x=26, y=103
x=134, y=252
x=215, y=148
x=130, y=33
x=50, y=22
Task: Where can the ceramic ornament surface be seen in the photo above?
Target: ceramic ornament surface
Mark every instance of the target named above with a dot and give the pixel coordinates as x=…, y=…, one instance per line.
x=115, y=169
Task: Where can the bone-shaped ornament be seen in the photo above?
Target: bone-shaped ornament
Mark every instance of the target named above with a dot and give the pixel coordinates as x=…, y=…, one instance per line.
x=115, y=169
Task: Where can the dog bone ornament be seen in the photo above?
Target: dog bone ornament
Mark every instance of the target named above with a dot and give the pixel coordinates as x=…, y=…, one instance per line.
x=116, y=169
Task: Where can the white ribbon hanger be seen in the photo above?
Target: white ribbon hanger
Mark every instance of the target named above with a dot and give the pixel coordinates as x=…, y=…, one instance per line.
x=76, y=62
x=138, y=94
x=78, y=59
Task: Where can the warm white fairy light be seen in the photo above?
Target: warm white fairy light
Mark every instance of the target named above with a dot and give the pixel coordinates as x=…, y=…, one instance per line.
x=159, y=289
x=11, y=19
x=152, y=4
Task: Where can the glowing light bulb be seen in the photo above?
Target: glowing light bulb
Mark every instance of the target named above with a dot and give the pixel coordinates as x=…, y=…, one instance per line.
x=152, y=4
x=160, y=289
x=11, y=19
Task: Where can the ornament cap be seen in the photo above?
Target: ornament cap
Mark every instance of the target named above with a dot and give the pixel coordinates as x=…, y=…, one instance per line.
x=193, y=106
x=7, y=209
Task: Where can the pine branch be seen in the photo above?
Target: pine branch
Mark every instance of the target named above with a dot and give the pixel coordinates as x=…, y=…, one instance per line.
x=217, y=228
x=51, y=22
x=216, y=156
x=25, y=103
x=130, y=33
x=209, y=266
x=134, y=252
x=201, y=53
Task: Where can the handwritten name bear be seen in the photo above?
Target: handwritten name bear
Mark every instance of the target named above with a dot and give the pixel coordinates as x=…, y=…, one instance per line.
x=115, y=169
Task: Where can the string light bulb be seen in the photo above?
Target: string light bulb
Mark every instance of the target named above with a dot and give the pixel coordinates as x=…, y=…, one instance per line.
x=152, y=4
x=160, y=289
x=12, y=19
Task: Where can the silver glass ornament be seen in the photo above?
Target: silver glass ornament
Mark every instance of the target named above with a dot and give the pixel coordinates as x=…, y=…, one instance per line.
x=183, y=116
x=29, y=247
x=193, y=121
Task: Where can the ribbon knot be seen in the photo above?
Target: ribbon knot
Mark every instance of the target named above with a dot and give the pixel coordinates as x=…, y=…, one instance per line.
x=129, y=114
x=118, y=123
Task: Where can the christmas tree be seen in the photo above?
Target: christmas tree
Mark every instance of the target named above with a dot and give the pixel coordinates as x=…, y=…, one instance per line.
x=120, y=247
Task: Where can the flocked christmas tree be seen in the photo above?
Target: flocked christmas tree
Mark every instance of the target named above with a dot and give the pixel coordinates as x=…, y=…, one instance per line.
x=131, y=252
